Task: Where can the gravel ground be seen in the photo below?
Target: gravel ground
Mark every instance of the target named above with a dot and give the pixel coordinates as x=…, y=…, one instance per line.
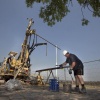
x=29, y=92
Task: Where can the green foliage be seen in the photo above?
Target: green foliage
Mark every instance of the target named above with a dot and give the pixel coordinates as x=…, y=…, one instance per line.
x=53, y=11
x=92, y=5
x=29, y=3
x=84, y=22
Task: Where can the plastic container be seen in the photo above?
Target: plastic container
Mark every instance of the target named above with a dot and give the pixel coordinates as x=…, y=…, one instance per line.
x=54, y=85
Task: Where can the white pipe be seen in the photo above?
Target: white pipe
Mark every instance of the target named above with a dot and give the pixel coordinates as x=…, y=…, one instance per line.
x=56, y=61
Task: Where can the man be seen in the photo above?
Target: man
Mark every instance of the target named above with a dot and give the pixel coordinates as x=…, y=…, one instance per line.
x=77, y=66
x=9, y=61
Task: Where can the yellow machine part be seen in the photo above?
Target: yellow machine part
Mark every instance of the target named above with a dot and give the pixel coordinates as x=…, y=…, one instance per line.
x=15, y=63
x=40, y=80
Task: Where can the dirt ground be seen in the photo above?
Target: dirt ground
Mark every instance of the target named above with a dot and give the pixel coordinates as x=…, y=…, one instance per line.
x=30, y=92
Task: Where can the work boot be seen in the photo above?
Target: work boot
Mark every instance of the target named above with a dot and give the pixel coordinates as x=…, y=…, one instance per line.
x=83, y=90
x=76, y=89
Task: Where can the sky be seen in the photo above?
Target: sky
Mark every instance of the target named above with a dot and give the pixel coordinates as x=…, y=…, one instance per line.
x=68, y=35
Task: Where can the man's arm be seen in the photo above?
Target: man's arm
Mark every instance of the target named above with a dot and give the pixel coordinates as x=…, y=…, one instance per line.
x=63, y=64
x=73, y=65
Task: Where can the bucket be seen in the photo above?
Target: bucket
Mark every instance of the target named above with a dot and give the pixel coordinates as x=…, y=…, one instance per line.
x=53, y=85
x=67, y=88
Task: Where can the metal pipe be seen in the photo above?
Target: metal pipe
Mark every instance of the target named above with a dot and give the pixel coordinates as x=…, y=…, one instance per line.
x=47, y=41
x=56, y=61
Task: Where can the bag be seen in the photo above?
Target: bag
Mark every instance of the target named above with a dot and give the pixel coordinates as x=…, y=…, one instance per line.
x=13, y=84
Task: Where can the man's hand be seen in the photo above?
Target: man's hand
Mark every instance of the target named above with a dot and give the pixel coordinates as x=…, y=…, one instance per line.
x=60, y=66
x=70, y=71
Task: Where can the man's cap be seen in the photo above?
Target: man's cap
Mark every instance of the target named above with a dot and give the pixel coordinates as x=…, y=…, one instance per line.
x=11, y=55
x=64, y=52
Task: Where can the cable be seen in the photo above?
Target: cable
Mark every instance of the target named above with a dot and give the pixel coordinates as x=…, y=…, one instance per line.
x=92, y=61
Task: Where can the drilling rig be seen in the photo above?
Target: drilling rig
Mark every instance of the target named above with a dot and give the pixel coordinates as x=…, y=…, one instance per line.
x=20, y=66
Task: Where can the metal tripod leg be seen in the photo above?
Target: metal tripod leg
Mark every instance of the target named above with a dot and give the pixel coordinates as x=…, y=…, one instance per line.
x=49, y=76
x=71, y=77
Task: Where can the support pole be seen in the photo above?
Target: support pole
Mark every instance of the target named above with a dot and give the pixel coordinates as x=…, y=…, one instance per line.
x=56, y=60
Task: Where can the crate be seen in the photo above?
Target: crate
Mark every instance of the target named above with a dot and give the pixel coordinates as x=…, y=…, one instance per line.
x=54, y=85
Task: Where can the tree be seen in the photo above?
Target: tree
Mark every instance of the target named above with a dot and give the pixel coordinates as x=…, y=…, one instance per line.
x=53, y=11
